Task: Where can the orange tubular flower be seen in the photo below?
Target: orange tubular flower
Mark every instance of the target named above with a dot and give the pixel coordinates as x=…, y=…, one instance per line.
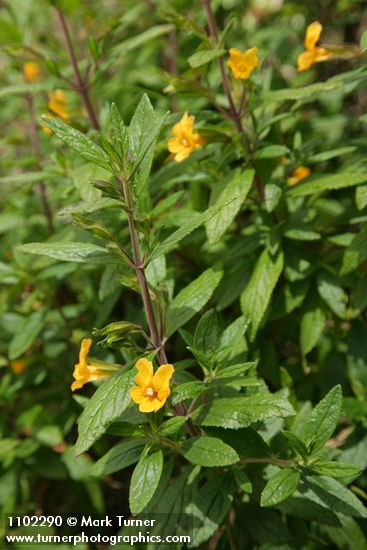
x=185, y=140
x=298, y=174
x=152, y=390
x=84, y=373
x=242, y=63
x=31, y=71
x=313, y=53
x=57, y=104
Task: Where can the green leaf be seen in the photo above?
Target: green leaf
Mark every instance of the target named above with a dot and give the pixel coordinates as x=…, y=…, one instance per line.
x=120, y=133
x=207, y=332
x=109, y=401
x=79, y=142
x=363, y=41
x=296, y=443
x=240, y=412
x=312, y=326
x=172, y=425
x=256, y=296
x=356, y=253
x=137, y=41
x=210, y=506
x=188, y=390
x=196, y=220
x=229, y=204
x=209, y=451
x=28, y=331
x=143, y=131
x=120, y=456
x=243, y=481
x=361, y=197
x=327, y=182
x=332, y=494
x=144, y=480
x=323, y=420
x=332, y=293
x=273, y=195
x=327, y=155
x=192, y=299
x=69, y=252
x=279, y=487
x=306, y=93
x=272, y=151
x=235, y=370
x=336, y=469
x=203, y=57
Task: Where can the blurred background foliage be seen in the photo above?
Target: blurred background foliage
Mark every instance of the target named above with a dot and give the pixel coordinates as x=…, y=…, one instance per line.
x=125, y=48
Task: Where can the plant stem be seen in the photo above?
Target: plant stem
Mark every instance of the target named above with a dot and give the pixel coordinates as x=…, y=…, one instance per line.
x=80, y=86
x=140, y=274
x=37, y=153
x=213, y=31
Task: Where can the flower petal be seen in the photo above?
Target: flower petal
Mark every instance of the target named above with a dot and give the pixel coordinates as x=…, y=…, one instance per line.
x=162, y=377
x=150, y=405
x=313, y=33
x=137, y=395
x=144, y=377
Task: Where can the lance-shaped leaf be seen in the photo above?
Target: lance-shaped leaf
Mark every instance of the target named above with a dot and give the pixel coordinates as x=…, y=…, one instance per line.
x=69, y=252
x=79, y=142
x=145, y=479
x=279, y=487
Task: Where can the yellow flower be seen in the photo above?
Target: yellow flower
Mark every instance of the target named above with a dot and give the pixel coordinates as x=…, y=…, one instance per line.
x=298, y=174
x=18, y=366
x=242, y=63
x=31, y=71
x=152, y=390
x=186, y=139
x=313, y=53
x=57, y=104
x=84, y=373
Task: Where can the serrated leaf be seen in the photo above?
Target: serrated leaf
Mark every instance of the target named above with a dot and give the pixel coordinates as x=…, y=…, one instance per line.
x=172, y=425
x=327, y=182
x=206, y=333
x=240, y=412
x=257, y=294
x=79, y=142
x=192, y=299
x=203, y=57
x=279, y=487
x=229, y=204
x=305, y=93
x=187, y=390
x=109, y=401
x=27, y=333
x=69, y=252
x=323, y=420
x=361, y=197
x=144, y=480
x=209, y=452
x=120, y=132
x=119, y=457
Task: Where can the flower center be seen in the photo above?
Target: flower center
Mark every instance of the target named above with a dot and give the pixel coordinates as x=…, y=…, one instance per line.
x=185, y=142
x=149, y=392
